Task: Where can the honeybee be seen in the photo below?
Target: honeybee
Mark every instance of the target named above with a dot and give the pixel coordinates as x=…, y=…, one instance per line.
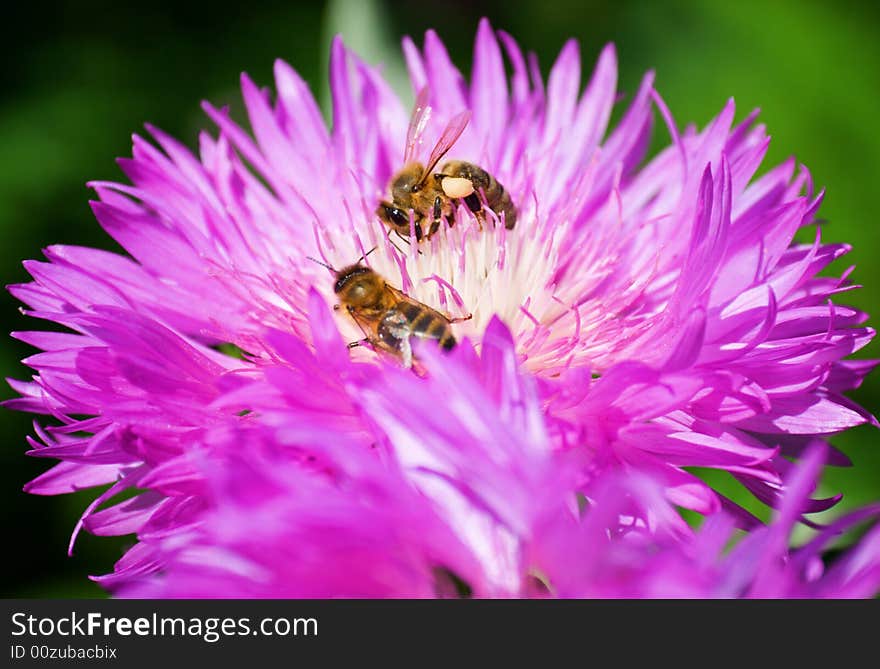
x=434, y=195
x=388, y=318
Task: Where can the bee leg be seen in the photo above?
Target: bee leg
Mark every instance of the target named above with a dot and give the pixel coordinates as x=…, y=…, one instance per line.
x=473, y=203
x=438, y=213
x=405, y=239
x=399, y=250
x=359, y=342
x=396, y=232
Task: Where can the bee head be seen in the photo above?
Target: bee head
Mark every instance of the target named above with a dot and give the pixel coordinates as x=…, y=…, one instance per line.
x=406, y=182
x=398, y=219
x=357, y=286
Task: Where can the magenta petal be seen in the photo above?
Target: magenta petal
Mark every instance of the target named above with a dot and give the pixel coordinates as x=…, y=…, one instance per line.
x=647, y=314
x=70, y=477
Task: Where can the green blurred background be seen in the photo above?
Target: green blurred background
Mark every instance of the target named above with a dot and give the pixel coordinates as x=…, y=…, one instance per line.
x=78, y=78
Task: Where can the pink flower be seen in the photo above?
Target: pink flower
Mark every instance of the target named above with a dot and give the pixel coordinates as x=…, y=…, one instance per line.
x=463, y=502
x=642, y=317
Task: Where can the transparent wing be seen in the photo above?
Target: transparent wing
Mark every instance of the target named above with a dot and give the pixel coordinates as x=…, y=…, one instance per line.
x=417, y=124
x=402, y=297
x=366, y=325
x=449, y=137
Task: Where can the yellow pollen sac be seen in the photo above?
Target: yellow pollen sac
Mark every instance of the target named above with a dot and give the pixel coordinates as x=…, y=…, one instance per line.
x=457, y=187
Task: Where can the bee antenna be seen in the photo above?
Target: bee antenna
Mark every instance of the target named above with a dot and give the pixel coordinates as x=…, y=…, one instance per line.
x=321, y=263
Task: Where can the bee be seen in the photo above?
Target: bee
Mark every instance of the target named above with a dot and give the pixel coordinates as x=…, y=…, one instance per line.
x=434, y=195
x=388, y=318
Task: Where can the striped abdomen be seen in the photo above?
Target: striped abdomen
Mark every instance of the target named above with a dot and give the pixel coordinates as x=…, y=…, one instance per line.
x=496, y=196
x=409, y=319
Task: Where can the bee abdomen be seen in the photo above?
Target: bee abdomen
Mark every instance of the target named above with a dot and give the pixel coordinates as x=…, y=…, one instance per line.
x=411, y=311
x=499, y=201
x=506, y=206
x=497, y=197
x=447, y=343
x=432, y=326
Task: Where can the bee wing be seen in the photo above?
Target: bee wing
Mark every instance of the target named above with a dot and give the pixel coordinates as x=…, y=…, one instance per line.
x=389, y=333
x=403, y=297
x=417, y=124
x=367, y=325
x=400, y=296
x=394, y=332
x=449, y=137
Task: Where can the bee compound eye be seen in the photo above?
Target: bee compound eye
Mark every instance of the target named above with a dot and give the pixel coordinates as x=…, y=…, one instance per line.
x=397, y=216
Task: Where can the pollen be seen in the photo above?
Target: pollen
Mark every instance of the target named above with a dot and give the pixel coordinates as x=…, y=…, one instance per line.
x=457, y=187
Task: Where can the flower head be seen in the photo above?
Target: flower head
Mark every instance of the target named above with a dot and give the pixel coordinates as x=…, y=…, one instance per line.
x=644, y=315
x=463, y=503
